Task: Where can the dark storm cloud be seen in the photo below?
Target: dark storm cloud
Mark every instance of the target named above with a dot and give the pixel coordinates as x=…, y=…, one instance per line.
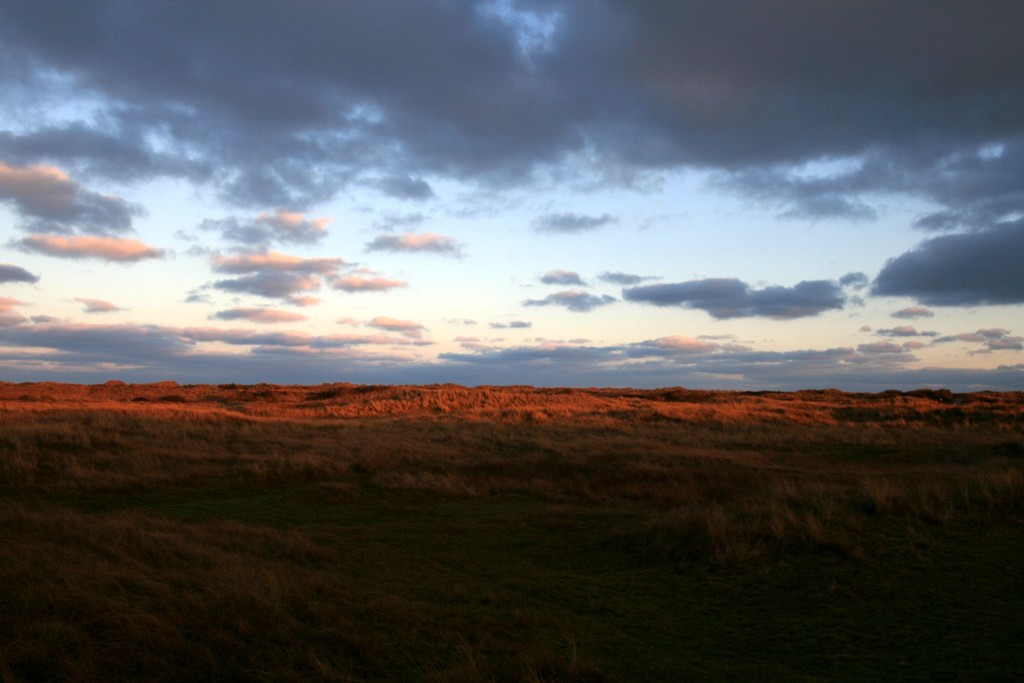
x=819, y=109
x=571, y=222
x=9, y=273
x=47, y=200
x=581, y=302
x=120, y=152
x=977, y=187
x=731, y=87
x=282, y=105
x=562, y=277
x=960, y=269
x=294, y=104
x=731, y=298
x=809, y=198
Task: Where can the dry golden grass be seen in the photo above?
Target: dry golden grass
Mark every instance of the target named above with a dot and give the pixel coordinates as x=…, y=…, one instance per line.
x=727, y=475
x=95, y=565
x=520, y=404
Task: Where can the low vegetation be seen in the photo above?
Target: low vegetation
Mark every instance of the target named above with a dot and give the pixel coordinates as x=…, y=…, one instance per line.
x=355, y=533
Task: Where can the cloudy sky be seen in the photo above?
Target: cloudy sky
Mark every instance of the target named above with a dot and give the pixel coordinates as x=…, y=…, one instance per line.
x=604, y=193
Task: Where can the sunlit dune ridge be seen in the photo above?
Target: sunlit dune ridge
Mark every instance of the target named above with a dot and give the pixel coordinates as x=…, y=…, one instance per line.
x=519, y=403
x=348, y=532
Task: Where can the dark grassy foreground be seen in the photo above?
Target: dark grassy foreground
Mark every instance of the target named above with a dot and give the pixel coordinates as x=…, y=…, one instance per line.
x=881, y=540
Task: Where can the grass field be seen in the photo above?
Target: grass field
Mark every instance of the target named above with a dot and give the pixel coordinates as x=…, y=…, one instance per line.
x=353, y=533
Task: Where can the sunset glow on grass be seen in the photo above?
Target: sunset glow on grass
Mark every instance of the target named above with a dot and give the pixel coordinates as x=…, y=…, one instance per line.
x=347, y=532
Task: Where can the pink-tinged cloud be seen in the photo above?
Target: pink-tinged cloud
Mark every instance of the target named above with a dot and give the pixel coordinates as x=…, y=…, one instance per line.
x=994, y=339
x=33, y=180
x=416, y=242
x=280, y=226
x=274, y=261
x=880, y=347
x=289, y=339
x=243, y=337
x=677, y=345
x=408, y=328
x=47, y=200
x=106, y=248
x=905, y=331
x=296, y=223
x=357, y=283
x=1007, y=344
x=474, y=344
x=562, y=277
x=348, y=321
x=7, y=303
x=264, y=316
x=965, y=336
x=981, y=336
x=688, y=343
x=913, y=312
x=364, y=339
x=97, y=305
x=305, y=300
x=680, y=344
x=7, y=314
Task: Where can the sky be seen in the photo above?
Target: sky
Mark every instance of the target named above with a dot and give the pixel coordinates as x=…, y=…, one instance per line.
x=732, y=195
